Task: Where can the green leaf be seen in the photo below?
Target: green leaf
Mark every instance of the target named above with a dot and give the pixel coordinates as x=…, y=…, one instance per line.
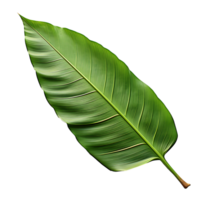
x=116, y=117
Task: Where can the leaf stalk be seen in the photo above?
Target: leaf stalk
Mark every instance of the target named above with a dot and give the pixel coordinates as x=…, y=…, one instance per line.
x=183, y=183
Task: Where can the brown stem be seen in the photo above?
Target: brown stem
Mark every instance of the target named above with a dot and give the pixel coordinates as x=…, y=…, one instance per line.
x=185, y=185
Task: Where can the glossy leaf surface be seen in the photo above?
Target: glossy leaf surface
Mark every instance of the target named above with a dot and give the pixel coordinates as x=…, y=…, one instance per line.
x=116, y=117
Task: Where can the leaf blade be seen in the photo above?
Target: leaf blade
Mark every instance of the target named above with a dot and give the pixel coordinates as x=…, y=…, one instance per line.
x=104, y=89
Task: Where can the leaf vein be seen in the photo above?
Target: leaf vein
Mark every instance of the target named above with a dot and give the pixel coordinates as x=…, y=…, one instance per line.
x=156, y=129
x=123, y=149
x=103, y=120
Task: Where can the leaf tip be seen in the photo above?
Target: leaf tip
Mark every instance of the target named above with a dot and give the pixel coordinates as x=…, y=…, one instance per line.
x=18, y=13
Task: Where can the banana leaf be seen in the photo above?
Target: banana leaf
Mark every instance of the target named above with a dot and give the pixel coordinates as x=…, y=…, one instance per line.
x=116, y=117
